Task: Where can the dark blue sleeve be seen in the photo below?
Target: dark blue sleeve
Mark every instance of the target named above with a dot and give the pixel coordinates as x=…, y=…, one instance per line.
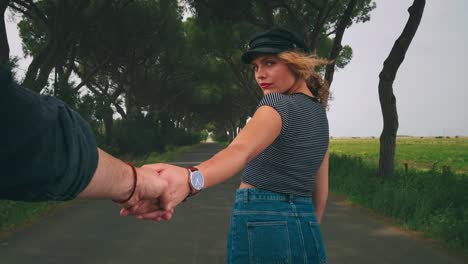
x=47, y=151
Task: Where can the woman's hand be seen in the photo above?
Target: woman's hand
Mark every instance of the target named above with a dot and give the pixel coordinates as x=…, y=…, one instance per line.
x=176, y=191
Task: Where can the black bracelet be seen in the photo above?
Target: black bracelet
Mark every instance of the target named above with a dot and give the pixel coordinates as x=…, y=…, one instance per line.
x=134, y=185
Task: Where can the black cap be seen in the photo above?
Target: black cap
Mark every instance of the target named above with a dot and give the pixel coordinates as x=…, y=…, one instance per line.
x=273, y=41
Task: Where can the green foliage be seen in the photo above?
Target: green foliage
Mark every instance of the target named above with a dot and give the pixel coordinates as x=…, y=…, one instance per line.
x=427, y=198
x=149, y=134
x=140, y=57
x=170, y=154
x=220, y=136
x=13, y=214
x=433, y=202
x=203, y=135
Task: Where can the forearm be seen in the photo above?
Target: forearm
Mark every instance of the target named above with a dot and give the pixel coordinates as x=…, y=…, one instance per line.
x=321, y=188
x=224, y=164
x=113, y=179
x=320, y=202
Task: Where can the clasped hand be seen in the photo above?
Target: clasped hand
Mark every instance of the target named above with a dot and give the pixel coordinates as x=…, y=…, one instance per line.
x=157, y=195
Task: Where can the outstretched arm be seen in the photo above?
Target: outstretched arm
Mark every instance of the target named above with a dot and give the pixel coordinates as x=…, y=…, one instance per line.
x=259, y=133
x=48, y=152
x=114, y=179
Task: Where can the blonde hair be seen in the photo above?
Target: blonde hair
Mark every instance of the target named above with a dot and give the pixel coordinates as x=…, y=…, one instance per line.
x=303, y=66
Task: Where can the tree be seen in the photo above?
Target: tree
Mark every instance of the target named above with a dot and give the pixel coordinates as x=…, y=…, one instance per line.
x=315, y=19
x=386, y=96
x=4, y=48
x=344, y=22
x=56, y=25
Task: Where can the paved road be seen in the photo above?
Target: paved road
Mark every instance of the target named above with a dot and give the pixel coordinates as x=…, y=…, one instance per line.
x=92, y=232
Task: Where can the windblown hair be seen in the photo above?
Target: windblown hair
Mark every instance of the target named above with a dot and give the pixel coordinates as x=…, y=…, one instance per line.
x=303, y=66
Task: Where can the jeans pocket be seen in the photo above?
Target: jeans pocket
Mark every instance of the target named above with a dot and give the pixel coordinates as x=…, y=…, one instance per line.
x=269, y=242
x=318, y=241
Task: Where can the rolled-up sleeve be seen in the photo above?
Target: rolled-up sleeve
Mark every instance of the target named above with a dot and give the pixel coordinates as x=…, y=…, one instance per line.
x=47, y=151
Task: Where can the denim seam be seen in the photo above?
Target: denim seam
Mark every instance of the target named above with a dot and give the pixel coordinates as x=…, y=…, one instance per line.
x=301, y=235
x=250, y=198
x=233, y=237
x=321, y=259
x=271, y=213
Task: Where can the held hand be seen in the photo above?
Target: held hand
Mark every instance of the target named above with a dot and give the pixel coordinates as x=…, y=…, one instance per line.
x=178, y=186
x=150, y=186
x=176, y=191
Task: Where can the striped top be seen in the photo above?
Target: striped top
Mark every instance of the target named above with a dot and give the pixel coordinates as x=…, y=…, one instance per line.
x=290, y=163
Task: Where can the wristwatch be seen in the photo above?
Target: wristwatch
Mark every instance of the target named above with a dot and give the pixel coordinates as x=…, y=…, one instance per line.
x=196, y=181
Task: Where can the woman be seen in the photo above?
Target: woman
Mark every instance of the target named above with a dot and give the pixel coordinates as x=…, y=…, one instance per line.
x=284, y=149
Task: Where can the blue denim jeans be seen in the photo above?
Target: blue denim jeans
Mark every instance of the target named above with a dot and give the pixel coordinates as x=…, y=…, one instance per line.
x=273, y=228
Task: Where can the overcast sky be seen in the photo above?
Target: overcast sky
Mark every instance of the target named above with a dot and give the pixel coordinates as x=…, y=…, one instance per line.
x=431, y=84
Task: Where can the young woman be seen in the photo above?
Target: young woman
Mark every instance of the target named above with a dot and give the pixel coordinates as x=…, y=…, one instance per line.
x=284, y=152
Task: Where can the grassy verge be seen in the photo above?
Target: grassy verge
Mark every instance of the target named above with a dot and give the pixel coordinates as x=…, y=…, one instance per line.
x=429, y=201
x=17, y=214
x=427, y=153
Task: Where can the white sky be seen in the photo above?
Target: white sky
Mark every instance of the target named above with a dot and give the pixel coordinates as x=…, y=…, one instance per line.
x=431, y=84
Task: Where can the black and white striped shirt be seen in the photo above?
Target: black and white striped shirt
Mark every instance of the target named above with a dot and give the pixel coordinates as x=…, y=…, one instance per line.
x=290, y=163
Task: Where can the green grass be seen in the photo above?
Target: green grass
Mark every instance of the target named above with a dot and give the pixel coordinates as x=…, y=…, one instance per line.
x=426, y=199
x=418, y=153
x=13, y=214
x=16, y=214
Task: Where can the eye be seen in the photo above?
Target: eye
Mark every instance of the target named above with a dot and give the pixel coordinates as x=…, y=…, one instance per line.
x=254, y=68
x=269, y=63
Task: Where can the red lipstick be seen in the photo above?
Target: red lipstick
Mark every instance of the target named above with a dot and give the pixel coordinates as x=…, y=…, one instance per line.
x=265, y=85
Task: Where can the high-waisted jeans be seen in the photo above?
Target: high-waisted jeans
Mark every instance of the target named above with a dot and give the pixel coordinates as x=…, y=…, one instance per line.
x=273, y=228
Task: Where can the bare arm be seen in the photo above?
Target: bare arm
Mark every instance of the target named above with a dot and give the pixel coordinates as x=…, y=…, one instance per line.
x=321, y=188
x=113, y=179
x=259, y=133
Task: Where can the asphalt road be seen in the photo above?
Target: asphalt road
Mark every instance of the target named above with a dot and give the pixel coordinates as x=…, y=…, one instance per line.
x=93, y=232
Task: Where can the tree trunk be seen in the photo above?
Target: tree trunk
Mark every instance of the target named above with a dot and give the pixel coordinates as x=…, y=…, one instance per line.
x=108, y=124
x=336, y=49
x=386, y=96
x=61, y=36
x=37, y=76
x=323, y=14
x=4, y=47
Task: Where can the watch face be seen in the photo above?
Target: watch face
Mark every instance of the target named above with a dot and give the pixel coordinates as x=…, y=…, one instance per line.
x=197, y=180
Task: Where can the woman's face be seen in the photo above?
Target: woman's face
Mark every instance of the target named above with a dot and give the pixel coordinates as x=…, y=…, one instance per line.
x=273, y=75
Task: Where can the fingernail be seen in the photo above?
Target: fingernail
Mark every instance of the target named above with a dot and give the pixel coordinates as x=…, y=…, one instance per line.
x=123, y=212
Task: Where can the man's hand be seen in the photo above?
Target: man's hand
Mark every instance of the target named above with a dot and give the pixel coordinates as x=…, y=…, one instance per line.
x=175, y=192
x=150, y=186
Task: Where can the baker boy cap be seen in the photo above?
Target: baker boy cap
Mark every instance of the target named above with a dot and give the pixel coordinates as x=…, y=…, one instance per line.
x=273, y=41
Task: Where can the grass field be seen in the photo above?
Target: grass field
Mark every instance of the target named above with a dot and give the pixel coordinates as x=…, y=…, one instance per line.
x=419, y=153
x=424, y=199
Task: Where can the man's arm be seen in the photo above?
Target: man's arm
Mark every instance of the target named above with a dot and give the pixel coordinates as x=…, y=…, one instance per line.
x=48, y=152
x=114, y=179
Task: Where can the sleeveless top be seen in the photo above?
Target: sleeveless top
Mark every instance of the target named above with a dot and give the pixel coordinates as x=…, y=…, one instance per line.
x=290, y=163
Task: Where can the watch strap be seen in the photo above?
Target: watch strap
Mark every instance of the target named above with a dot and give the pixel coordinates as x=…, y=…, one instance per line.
x=193, y=191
